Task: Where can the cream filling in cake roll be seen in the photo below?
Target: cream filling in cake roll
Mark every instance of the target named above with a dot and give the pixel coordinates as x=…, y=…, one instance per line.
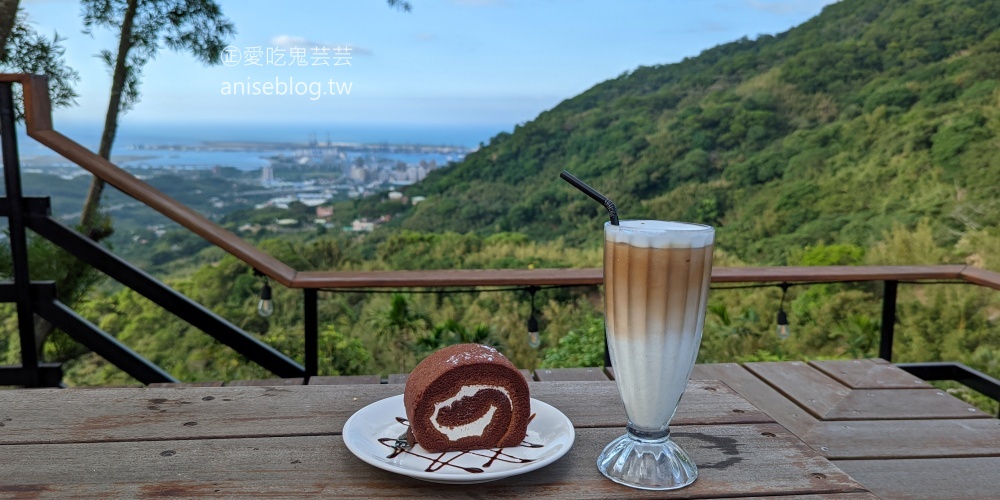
x=474, y=428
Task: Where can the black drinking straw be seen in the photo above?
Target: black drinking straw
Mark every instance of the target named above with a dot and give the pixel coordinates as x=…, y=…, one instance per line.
x=591, y=192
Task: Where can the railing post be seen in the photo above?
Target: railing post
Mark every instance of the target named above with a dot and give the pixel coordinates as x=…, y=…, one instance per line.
x=888, y=319
x=18, y=238
x=311, y=320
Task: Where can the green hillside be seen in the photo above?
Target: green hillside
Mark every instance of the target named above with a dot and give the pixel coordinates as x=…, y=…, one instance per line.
x=871, y=114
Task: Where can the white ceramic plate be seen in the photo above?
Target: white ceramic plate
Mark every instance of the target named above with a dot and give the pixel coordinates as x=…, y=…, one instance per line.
x=372, y=431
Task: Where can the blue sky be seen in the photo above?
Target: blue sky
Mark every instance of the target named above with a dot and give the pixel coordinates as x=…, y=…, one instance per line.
x=476, y=63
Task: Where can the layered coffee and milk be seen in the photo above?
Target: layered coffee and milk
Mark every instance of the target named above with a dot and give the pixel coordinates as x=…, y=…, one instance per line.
x=656, y=280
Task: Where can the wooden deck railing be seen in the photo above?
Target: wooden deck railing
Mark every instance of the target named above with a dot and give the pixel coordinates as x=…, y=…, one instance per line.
x=39, y=126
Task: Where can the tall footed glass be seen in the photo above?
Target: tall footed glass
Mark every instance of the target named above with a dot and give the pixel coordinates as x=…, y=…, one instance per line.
x=656, y=280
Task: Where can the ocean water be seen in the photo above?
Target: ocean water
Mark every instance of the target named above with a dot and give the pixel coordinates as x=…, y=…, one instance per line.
x=131, y=135
x=186, y=134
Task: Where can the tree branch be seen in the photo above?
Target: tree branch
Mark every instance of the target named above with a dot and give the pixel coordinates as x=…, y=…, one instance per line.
x=88, y=218
x=8, y=17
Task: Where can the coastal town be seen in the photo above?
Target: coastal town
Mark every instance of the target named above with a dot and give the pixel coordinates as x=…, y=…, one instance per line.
x=270, y=184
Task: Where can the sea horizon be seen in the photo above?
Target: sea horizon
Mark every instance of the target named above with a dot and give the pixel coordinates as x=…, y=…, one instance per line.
x=131, y=135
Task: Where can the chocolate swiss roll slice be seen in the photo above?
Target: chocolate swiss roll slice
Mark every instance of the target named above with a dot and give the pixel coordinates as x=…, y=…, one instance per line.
x=466, y=397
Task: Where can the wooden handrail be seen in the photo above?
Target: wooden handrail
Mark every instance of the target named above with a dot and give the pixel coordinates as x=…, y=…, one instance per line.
x=448, y=278
x=38, y=118
x=982, y=277
x=594, y=276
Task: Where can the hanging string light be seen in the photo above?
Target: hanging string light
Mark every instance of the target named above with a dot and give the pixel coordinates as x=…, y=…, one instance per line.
x=782, y=329
x=534, y=339
x=265, y=307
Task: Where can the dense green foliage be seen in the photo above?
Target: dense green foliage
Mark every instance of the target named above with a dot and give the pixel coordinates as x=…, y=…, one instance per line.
x=863, y=136
x=873, y=113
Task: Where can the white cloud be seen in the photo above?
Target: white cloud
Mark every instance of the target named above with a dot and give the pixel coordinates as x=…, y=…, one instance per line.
x=480, y=3
x=782, y=7
x=289, y=41
x=713, y=27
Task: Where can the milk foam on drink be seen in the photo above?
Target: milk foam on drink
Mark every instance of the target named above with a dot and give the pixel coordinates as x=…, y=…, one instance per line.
x=656, y=280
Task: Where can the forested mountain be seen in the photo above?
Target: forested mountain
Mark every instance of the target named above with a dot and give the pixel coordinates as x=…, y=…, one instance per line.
x=867, y=135
x=874, y=113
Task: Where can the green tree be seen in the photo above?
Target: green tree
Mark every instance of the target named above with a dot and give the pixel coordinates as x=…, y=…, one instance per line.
x=728, y=336
x=398, y=324
x=452, y=332
x=8, y=18
x=194, y=26
x=583, y=346
x=24, y=50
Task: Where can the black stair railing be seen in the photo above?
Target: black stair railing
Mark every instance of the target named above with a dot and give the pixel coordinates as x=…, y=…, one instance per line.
x=39, y=298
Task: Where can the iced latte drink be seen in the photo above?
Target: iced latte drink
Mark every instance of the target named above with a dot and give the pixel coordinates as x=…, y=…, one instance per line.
x=656, y=279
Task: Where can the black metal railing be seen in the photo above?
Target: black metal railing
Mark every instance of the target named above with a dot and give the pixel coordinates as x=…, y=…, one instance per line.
x=39, y=298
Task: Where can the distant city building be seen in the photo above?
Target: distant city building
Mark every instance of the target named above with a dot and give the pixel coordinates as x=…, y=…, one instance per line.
x=266, y=175
x=279, y=202
x=359, y=174
x=417, y=199
x=313, y=200
x=395, y=195
x=324, y=211
x=362, y=225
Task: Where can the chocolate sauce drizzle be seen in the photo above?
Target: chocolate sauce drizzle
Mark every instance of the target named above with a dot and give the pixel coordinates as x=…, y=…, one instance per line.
x=442, y=461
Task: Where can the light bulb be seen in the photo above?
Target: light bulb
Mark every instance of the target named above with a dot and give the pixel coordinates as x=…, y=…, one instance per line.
x=534, y=339
x=782, y=329
x=265, y=307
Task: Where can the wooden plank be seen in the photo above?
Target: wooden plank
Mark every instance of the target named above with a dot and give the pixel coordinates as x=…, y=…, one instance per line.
x=792, y=274
x=54, y=415
x=866, y=374
x=530, y=377
x=829, y=496
x=570, y=374
x=447, y=278
x=903, y=404
x=982, y=277
x=217, y=383
x=273, y=382
x=803, y=384
x=99, y=387
x=595, y=276
x=931, y=479
x=761, y=395
x=906, y=438
x=827, y=399
x=37, y=103
x=597, y=404
x=734, y=460
x=345, y=380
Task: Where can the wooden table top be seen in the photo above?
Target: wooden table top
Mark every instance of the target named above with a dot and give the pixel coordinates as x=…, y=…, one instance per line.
x=897, y=435
x=286, y=442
